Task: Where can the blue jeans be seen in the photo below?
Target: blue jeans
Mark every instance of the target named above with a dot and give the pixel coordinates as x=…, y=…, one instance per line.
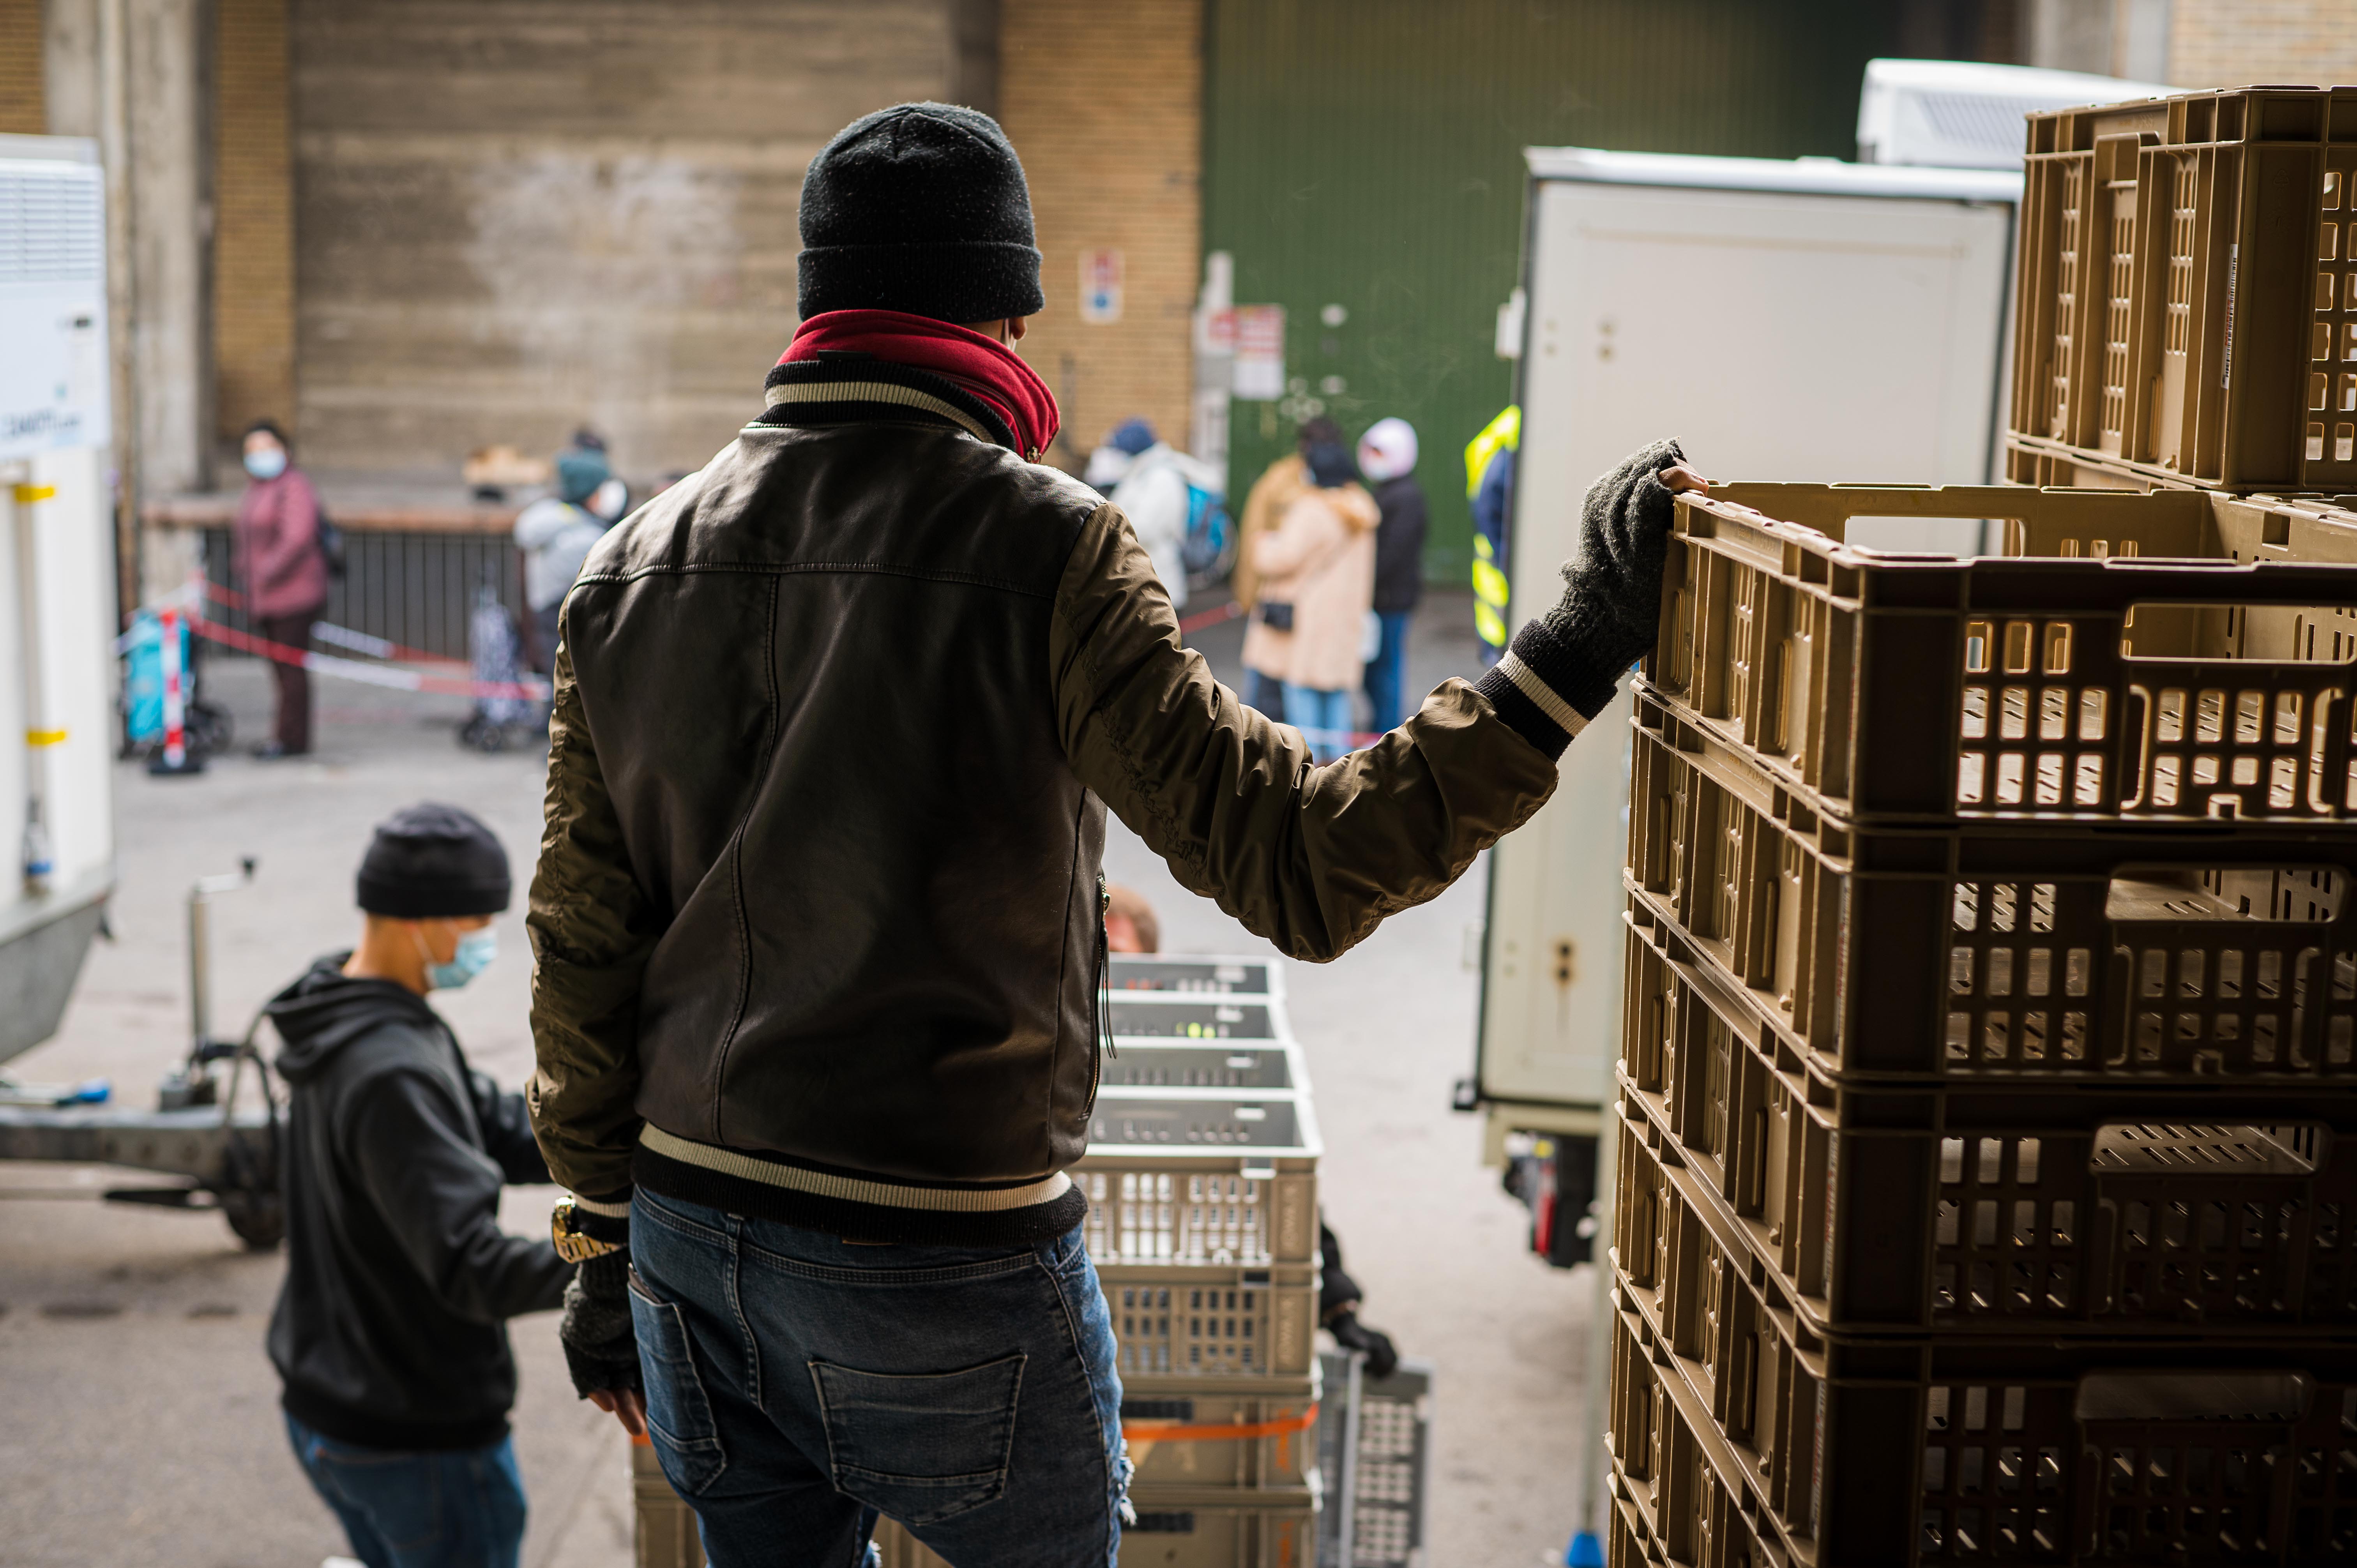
x=1266, y=696
x=798, y=1385
x=1323, y=717
x=1387, y=672
x=460, y=1508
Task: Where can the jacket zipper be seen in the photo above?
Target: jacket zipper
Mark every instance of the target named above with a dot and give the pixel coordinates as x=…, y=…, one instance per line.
x=1102, y=1045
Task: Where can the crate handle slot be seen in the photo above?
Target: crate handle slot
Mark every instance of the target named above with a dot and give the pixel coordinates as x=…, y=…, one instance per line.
x=2193, y=895
x=2180, y=630
x=2211, y=1153
x=2193, y=1396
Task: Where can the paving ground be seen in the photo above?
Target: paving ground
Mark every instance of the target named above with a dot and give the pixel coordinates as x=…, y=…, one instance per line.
x=144, y=1427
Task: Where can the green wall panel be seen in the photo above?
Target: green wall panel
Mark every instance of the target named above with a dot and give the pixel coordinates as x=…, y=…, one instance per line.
x=1368, y=153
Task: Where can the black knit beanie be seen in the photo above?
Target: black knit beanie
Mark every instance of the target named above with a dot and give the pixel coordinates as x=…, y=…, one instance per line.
x=920, y=207
x=432, y=862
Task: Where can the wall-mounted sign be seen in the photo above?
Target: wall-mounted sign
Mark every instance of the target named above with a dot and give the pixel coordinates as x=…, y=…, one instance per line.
x=1100, y=287
x=1259, y=353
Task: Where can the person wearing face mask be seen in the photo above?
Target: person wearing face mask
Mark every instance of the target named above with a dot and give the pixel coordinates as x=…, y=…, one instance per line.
x=283, y=573
x=389, y=1334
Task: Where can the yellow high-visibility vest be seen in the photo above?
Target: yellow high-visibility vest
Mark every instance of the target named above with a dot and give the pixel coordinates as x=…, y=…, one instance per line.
x=1502, y=433
x=1489, y=594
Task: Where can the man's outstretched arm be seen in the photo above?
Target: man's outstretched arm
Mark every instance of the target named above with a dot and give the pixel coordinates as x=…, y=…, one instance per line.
x=1314, y=858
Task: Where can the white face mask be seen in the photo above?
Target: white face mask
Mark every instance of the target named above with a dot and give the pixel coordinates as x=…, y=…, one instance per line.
x=267, y=463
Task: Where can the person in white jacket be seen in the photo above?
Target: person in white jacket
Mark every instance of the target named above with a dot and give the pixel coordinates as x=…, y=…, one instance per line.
x=1152, y=491
x=554, y=533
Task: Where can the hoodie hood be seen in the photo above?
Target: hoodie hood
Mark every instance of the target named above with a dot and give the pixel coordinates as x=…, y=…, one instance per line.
x=327, y=1010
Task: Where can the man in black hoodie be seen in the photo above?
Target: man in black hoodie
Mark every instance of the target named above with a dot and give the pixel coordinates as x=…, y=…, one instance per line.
x=390, y=1332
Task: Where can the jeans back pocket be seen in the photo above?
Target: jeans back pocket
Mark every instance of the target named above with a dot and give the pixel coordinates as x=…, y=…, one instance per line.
x=922, y=1447
x=679, y=1416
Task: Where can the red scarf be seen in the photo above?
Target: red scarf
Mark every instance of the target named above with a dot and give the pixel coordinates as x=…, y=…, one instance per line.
x=983, y=366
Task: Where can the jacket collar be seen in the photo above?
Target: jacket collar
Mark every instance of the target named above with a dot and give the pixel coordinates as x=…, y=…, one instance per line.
x=844, y=390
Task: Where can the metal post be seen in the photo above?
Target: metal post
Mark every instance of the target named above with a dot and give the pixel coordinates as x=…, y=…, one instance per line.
x=200, y=964
x=1586, y=1548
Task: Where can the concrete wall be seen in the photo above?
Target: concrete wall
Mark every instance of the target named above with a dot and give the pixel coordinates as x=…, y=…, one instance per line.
x=1105, y=106
x=512, y=216
x=254, y=203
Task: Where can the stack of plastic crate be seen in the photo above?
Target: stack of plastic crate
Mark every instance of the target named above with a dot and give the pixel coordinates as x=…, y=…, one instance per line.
x=1201, y=1176
x=1988, y=1161
x=2187, y=294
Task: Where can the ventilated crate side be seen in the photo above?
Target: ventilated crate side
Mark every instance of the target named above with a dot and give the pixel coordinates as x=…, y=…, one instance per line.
x=1212, y=1322
x=2040, y=465
x=2183, y=282
x=1687, y=1497
x=2023, y=1450
x=2057, y=683
x=1180, y=1531
x=1947, y=1212
x=2003, y=953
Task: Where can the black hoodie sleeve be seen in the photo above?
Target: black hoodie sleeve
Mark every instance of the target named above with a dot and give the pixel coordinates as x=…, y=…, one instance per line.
x=507, y=1131
x=438, y=1192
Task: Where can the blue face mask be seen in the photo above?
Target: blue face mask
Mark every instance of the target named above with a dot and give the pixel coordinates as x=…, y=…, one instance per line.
x=474, y=954
x=267, y=464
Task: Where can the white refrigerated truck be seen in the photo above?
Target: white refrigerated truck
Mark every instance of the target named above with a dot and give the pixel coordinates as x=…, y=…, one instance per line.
x=1808, y=320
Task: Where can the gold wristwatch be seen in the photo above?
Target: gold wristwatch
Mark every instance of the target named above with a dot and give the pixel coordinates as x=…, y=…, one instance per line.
x=563, y=1227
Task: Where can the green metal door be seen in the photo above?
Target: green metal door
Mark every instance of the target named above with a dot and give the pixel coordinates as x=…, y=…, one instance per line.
x=1367, y=154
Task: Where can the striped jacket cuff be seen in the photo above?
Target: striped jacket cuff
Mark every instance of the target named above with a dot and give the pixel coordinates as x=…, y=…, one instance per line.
x=1542, y=691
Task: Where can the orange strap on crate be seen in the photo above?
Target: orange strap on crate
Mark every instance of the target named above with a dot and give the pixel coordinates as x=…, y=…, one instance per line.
x=1176, y=1432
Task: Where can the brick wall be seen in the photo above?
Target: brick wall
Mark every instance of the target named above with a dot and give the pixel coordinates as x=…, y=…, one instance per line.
x=1104, y=103
x=23, y=106
x=253, y=237
x=2238, y=43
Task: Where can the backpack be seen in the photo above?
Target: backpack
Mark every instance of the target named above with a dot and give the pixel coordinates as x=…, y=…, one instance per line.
x=330, y=540
x=1210, y=547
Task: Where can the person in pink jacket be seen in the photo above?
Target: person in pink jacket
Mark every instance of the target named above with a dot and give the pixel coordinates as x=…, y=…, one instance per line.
x=1317, y=573
x=283, y=573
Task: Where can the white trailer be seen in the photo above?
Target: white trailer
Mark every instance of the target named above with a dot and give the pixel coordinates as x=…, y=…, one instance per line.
x=57, y=578
x=58, y=730
x=1810, y=321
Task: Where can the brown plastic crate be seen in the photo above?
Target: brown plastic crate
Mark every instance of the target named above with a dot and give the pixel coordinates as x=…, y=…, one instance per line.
x=2061, y=1212
x=2080, y=678
x=1212, y=1322
x=2014, y=953
x=1251, y=1436
x=2185, y=286
x=1181, y=1528
x=2020, y=1451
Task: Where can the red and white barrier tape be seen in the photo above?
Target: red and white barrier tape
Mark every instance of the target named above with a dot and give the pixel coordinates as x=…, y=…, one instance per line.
x=533, y=690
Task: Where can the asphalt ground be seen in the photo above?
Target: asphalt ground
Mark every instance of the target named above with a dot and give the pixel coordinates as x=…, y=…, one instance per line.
x=144, y=1427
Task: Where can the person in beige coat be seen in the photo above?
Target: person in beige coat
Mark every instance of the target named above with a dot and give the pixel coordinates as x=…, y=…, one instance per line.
x=1317, y=581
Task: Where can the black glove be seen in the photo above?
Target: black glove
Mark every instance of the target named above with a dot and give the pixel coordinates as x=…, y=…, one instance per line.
x=1610, y=612
x=601, y=1349
x=1383, y=1359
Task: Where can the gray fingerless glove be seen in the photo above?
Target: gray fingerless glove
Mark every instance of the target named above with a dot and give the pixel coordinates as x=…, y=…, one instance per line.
x=1571, y=659
x=601, y=1347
